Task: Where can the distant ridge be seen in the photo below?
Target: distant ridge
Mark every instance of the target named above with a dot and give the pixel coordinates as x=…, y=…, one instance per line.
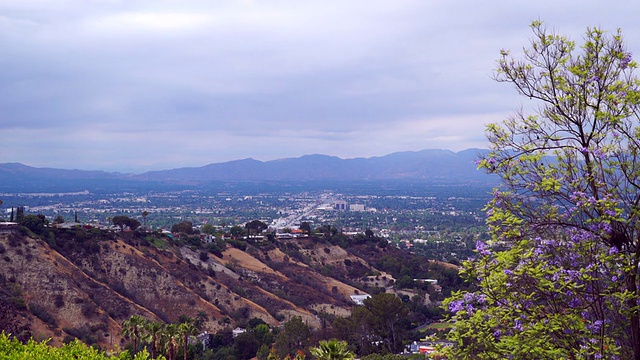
x=426, y=165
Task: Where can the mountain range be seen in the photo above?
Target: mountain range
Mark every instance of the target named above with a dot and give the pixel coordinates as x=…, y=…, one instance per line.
x=441, y=166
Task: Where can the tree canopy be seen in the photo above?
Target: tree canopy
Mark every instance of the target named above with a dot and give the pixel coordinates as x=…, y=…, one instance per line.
x=255, y=227
x=559, y=279
x=185, y=227
x=123, y=221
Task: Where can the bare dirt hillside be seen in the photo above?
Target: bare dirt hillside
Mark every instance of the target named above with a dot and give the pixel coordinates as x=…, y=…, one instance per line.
x=85, y=284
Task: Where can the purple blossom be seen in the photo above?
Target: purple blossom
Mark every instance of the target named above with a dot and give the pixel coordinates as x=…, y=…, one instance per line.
x=596, y=326
x=574, y=302
x=518, y=325
x=613, y=250
x=585, y=314
x=456, y=305
x=624, y=63
x=481, y=247
x=599, y=153
x=538, y=251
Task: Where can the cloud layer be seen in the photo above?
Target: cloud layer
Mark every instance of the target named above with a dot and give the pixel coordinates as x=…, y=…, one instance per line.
x=141, y=85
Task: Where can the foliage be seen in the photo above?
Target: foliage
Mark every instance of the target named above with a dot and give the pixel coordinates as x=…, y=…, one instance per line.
x=35, y=223
x=255, y=227
x=332, y=350
x=14, y=349
x=382, y=320
x=176, y=340
x=42, y=314
x=185, y=227
x=133, y=328
x=236, y=231
x=387, y=319
x=559, y=279
x=384, y=357
x=306, y=227
x=208, y=229
x=294, y=337
x=125, y=221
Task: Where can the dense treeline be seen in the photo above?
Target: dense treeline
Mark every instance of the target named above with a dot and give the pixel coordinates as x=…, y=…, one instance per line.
x=380, y=326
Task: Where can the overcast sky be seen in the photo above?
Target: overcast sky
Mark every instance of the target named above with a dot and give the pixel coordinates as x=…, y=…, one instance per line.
x=143, y=85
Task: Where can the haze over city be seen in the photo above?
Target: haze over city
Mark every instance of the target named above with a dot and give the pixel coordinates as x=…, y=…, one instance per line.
x=147, y=85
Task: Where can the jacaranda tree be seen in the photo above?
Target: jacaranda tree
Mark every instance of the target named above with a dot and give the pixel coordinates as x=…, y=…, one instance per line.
x=559, y=279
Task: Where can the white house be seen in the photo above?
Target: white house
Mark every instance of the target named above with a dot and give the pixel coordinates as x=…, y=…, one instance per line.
x=359, y=299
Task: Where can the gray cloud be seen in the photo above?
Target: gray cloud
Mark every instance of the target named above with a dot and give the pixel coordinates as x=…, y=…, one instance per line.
x=133, y=86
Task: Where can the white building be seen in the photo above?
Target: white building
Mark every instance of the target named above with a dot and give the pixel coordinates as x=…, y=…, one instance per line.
x=359, y=299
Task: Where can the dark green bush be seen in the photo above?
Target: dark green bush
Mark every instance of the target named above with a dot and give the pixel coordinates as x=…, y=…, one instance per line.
x=42, y=314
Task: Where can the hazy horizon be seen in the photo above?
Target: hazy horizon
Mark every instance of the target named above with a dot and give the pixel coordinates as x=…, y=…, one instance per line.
x=235, y=160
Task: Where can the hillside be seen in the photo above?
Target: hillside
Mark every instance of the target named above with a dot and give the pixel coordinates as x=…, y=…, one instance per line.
x=84, y=283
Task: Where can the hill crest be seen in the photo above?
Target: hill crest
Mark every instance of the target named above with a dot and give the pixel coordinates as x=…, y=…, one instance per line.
x=425, y=165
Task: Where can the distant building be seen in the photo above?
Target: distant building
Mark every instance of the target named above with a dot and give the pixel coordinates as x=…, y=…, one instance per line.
x=206, y=339
x=8, y=227
x=237, y=331
x=356, y=207
x=359, y=299
x=69, y=225
x=341, y=205
x=430, y=281
x=427, y=347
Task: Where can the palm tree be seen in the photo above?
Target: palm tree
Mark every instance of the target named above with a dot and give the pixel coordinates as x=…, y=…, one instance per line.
x=153, y=331
x=186, y=329
x=171, y=338
x=133, y=329
x=332, y=350
x=200, y=319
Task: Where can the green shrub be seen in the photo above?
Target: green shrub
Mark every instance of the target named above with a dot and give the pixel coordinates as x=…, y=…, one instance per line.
x=42, y=314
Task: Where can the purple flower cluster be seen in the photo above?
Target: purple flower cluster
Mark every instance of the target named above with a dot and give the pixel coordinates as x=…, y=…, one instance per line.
x=469, y=303
x=482, y=248
x=518, y=325
x=456, y=305
x=595, y=326
x=626, y=60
